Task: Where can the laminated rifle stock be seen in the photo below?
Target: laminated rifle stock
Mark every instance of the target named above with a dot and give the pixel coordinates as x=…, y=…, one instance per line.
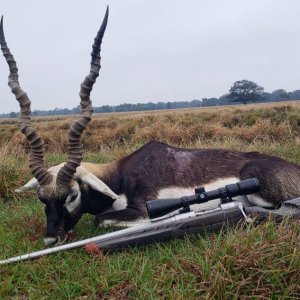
x=176, y=227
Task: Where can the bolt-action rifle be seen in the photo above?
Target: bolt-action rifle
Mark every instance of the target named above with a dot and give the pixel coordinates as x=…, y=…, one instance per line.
x=173, y=218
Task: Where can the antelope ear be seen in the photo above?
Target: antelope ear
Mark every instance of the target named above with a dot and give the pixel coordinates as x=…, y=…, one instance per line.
x=30, y=185
x=94, y=182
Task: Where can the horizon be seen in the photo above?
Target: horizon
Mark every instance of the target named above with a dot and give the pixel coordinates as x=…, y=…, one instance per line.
x=41, y=113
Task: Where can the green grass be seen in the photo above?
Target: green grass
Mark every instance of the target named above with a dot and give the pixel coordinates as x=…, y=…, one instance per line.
x=248, y=262
x=261, y=261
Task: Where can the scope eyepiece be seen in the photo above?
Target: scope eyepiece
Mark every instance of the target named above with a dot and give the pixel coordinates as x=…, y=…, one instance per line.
x=160, y=207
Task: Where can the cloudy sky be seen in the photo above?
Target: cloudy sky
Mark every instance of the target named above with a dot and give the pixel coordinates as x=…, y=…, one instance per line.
x=154, y=50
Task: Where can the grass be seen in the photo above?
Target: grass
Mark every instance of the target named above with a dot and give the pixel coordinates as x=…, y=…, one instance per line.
x=260, y=261
x=246, y=262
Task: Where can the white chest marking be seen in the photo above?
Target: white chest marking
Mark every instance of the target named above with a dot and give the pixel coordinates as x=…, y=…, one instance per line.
x=72, y=206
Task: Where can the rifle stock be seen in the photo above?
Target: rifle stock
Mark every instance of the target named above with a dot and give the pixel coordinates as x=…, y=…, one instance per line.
x=229, y=214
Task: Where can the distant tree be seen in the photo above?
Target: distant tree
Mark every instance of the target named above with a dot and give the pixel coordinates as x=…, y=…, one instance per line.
x=13, y=115
x=76, y=110
x=169, y=105
x=245, y=91
x=196, y=103
x=279, y=95
x=223, y=100
x=161, y=105
x=106, y=108
x=295, y=95
x=267, y=96
x=210, y=101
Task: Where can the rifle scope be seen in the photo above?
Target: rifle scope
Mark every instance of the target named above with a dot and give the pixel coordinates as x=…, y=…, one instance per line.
x=161, y=207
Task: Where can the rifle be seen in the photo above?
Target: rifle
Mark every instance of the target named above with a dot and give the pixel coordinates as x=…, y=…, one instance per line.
x=173, y=218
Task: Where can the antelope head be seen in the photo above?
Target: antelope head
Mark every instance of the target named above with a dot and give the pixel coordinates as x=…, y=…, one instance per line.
x=57, y=187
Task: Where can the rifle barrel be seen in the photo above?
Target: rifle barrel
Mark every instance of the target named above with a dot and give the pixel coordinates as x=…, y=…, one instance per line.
x=69, y=246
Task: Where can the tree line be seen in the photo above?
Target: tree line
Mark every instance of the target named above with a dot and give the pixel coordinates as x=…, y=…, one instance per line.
x=243, y=91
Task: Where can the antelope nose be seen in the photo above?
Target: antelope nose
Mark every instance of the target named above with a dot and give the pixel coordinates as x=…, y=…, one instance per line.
x=50, y=240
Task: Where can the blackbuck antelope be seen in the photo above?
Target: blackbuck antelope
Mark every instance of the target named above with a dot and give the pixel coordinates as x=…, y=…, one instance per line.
x=117, y=192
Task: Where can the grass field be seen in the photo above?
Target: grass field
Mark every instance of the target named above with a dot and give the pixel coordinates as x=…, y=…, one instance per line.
x=246, y=262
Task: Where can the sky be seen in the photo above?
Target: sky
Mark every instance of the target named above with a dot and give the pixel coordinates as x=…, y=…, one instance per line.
x=154, y=50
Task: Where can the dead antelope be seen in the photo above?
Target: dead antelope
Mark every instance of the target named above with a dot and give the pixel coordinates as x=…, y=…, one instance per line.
x=118, y=191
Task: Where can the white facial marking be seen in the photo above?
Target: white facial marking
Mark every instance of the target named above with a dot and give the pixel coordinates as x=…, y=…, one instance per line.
x=72, y=204
x=120, y=203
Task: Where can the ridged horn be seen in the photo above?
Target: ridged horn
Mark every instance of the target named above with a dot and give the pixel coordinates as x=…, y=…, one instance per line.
x=75, y=148
x=36, y=144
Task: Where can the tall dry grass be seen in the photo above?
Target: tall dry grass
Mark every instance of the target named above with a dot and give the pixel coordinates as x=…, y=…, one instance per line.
x=253, y=124
x=13, y=167
x=273, y=129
